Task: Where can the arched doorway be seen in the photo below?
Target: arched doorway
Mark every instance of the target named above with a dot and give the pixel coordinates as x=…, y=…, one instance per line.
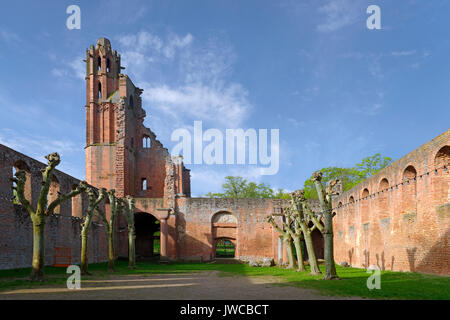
x=224, y=233
x=225, y=248
x=147, y=235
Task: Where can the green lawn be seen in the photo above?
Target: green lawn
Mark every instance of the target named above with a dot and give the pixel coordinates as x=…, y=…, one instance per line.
x=394, y=285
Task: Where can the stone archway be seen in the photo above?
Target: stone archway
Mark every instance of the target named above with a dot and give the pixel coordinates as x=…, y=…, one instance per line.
x=224, y=226
x=147, y=235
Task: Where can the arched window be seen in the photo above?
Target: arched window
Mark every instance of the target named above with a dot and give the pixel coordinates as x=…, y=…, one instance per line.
x=108, y=65
x=53, y=193
x=99, y=90
x=77, y=204
x=350, y=210
x=365, y=205
x=144, y=184
x=99, y=64
x=365, y=193
x=146, y=142
x=441, y=180
x=409, y=190
x=383, y=199
x=21, y=165
x=409, y=174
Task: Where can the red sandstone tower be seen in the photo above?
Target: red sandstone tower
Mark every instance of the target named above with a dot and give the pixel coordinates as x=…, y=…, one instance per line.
x=121, y=153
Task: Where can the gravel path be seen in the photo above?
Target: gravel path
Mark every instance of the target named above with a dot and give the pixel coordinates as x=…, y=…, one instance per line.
x=188, y=286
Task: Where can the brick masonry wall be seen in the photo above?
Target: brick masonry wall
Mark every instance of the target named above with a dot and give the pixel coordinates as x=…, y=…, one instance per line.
x=400, y=217
x=61, y=230
x=252, y=235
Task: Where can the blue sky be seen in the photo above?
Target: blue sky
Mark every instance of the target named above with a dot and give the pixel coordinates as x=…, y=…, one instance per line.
x=337, y=91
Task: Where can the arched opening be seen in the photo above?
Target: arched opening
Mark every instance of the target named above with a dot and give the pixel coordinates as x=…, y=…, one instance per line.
x=77, y=204
x=108, y=65
x=99, y=90
x=409, y=190
x=383, y=198
x=144, y=184
x=146, y=142
x=21, y=165
x=365, y=205
x=99, y=64
x=147, y=235
x=225, y=248
x=351, y=210
x=441, y=178
x=53, y=193
x=224, y=226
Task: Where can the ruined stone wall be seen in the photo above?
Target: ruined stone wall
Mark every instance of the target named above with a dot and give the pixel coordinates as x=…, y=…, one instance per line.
x=62, y=229
x=399, y=218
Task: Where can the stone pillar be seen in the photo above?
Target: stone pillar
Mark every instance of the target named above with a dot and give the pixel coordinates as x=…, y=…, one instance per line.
x=280, y=249
x=164, y=230
x=164, y=239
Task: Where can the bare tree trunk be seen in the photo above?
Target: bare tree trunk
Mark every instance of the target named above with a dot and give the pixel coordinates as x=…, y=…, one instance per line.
x=290, y=251
x=111, y=255
x=84, y=251
x=327, y=232
x=298, y=251
x=42, y=210
x=303, y=220
x=129, y=215
x=314, y=266
x=116, y=206
x=330, y=266
x=37, y=269
x=93, y=202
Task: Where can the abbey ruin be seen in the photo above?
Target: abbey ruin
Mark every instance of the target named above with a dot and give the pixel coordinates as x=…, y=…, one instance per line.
x=398, y=219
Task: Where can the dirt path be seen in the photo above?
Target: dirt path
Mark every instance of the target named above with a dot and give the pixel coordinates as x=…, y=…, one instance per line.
x=189, y=286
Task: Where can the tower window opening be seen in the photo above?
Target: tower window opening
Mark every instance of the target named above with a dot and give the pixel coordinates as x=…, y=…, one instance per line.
x=99, y=64
x=144, y=184
x=99, y=90
x=108, y=65
x=146, y=142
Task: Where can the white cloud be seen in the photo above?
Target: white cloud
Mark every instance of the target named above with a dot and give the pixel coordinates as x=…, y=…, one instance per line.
x=196, y=86
x=338, y=14
x=9, y=37
x=75, y=68
x=403, y=53
x=226, y=105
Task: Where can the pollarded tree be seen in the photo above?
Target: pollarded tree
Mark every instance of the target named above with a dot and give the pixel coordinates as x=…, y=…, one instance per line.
x=94, y=200
x=296, y=235
x=43, y=209
x=129, y=216
x=116, y=206
x=304, y=220
x=287, y=239
x=327, y=232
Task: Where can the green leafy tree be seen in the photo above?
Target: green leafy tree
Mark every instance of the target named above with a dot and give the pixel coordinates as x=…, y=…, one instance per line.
x=238, y=187
x=349, y=177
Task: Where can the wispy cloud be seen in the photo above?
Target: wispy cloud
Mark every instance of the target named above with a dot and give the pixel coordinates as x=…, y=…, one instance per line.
x=199, y=87
x=72, y=69
x=338, y=14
